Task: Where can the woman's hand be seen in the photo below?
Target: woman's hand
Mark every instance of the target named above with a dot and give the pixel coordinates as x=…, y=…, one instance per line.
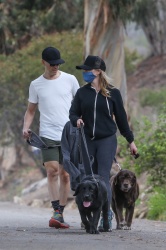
x=79, y=122
x=133, y=148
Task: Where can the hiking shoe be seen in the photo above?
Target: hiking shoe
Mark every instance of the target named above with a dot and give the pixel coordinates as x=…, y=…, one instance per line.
x=57, y=221
x=110, y=217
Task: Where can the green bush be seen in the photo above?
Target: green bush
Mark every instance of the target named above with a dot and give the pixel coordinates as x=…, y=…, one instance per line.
x=25, y=65
x=157, y=205
x=151, y=143
x=152, y=98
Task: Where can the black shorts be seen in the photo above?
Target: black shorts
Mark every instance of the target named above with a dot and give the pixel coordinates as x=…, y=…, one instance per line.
x=52, y=154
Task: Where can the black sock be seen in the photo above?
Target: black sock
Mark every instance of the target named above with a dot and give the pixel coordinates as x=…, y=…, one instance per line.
x=55, y=205
x=61, y=209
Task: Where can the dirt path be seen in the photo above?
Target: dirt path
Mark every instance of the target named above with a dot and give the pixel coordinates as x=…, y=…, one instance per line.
x=26, y=228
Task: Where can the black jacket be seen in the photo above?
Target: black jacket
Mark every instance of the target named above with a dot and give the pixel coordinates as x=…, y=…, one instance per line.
x=97, y=112
x=72, y=160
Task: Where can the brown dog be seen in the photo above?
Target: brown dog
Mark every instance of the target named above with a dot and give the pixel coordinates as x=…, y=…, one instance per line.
x=125, y=191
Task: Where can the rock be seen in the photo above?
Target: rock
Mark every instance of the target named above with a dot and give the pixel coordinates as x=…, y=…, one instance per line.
x=18, y=200
x=140, y=212
x=37, y=203
x=143, y=214
x=34, y=186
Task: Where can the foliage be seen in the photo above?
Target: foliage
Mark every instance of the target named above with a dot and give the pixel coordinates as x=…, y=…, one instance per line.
x=149, y=14
x=140, y=11
x=71, y=10
x=122, y=8
x=22, y=20
x=151, y=143
x=132, y=58
x=153, y=98
x=157, y=205
x=144, y=10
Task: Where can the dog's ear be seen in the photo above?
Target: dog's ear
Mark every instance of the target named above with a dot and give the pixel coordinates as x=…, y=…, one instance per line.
x=77, y=190
x=115, y=179
x=134, y=179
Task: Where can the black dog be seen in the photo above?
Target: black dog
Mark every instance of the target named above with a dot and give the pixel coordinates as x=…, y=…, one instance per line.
x=125, y=191
x=91, y=198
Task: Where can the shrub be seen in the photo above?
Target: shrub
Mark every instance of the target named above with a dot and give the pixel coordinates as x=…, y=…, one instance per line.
x=157, y=205
x=132, y=58
x=151, y=143
x=152, y=98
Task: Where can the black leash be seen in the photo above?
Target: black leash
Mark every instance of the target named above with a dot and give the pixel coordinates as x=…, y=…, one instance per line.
x=90, y=158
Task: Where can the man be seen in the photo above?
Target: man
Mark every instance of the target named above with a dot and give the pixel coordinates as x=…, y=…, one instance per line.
x=53, y=93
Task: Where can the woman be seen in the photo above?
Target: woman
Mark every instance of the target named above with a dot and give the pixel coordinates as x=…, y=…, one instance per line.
x=95, y=105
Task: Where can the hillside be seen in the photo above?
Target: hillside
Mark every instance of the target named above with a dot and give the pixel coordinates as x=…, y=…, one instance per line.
x=150, y=74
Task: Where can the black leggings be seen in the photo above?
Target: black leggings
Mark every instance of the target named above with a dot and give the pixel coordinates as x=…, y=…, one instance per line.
x=103, y=151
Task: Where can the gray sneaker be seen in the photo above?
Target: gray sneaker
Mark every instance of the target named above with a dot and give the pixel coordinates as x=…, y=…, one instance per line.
x=110, y=217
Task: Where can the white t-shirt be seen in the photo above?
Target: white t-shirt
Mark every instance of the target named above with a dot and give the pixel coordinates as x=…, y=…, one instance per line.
x=54, y=99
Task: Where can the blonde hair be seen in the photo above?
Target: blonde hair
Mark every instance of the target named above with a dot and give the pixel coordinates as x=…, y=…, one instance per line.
x=105, y=84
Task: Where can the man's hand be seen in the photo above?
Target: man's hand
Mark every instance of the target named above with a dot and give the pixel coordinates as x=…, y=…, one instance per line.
x=26, y=133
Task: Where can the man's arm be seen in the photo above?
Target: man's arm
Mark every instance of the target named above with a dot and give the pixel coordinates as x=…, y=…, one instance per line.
x=28, y=118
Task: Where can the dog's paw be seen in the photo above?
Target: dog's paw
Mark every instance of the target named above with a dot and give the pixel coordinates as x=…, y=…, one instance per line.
x=123, y=224
x=107, y=230
x=94, y=231
x=126, y=228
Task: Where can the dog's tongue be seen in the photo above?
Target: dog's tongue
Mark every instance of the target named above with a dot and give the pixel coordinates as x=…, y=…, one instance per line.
x=86, y=203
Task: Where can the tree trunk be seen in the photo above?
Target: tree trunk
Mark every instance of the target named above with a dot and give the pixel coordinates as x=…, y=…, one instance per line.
x=105, y=37
x=154, y=26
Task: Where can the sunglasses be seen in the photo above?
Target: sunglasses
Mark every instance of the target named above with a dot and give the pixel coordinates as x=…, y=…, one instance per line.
x=52, y=65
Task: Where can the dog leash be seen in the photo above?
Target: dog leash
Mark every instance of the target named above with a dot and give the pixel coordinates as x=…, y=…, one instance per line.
x=90, y=158
x=117, y=163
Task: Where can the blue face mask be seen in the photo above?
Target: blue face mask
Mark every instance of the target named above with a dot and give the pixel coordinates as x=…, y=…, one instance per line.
x=88, y=76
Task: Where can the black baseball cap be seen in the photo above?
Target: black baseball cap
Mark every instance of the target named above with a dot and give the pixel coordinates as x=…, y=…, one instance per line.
x=52, y=56
x=92, y=62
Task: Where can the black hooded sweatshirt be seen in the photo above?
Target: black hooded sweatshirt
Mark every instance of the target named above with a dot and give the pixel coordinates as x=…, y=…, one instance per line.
x=98, y=113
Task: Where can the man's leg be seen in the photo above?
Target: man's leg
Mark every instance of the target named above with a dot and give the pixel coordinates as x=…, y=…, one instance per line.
x=58, y=198
x=52, y=169
x=58, y=181
x=64, y=186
